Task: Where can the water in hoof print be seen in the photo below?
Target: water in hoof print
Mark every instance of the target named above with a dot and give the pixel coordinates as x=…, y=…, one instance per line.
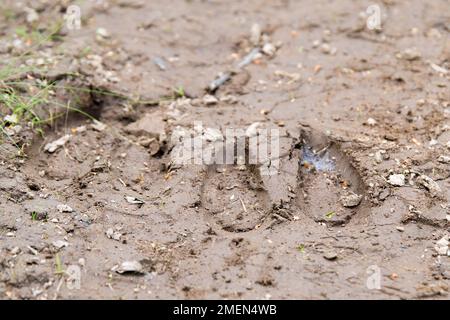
x=317, y=160
x=330, y=190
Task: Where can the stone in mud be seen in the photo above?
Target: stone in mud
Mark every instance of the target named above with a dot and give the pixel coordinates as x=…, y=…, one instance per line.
x=134, y=200
x=351, y=200
x=98, y=126
x=64, y=208
x=429, y=184
x=55, y=145
x=330, y=255
x=111, y=234
x=444, y=159
x=442, y=246
x=130, y=267
x=269, y=49
x=151, y=125
x=410, y=54
x=209, y=100
x=397, y=180
x=59, y=244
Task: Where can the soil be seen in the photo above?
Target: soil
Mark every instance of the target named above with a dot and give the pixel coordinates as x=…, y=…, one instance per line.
x=225, y=231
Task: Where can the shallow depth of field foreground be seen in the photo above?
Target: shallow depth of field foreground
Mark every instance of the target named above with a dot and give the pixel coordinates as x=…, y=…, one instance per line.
x=99, y=98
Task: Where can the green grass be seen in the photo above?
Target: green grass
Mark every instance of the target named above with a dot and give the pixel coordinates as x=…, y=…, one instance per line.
x=26, y=97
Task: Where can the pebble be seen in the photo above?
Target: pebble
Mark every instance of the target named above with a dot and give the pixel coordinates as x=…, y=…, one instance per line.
x=378, y=156
x=11, y=118
x=351, y=200
x=371, y=122
x=15, y=250
x=130, y=267
x=444, y=159
x=442, y=246
x=64, y=208
x=410, y=54
x=330, y=255
x=98, y=126
x=134, y=200
x=269, y=49
x=102, y=33
x=32, y=15
x=55, y=145
x=209, y=100
x=429, y=184
x=111, y=234
x=397, y=180
x=59, y=244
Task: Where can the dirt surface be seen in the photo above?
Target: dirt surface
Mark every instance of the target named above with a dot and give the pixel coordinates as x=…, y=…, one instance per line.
x=377, y=103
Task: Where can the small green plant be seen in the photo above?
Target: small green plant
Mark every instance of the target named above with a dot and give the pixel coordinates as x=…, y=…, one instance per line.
x=36, y=216
x=330, y=214
x=179, y=92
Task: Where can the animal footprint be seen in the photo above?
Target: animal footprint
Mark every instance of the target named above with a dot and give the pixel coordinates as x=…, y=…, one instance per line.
x=234, y=197
x=330, y=189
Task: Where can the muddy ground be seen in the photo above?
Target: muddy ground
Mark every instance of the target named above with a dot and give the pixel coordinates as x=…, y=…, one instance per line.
x=377, y=103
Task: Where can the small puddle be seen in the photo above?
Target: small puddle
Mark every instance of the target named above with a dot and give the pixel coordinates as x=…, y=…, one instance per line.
x=320, y=160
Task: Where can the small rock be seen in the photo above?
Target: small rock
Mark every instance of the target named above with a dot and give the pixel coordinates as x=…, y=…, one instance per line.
x=15, y=250
x=11, y=118
x=269, y=49
x=229, y=99
x=130, y=267
x=325, y=48
x=82, y=262
x=111, y=234
x=102, y=33
x=330, y=255
x=410, y=54
x=397, y=180
x=442, y=246
x=439, y=69
x=209, y=100
x=371, y=122
x=351, y=200
x=151, y=125
x=79, y=129
x=444, y=159
x=64, y=208
x=429, y=184
x=378, y=157
x=134, y=200
x=32, y=15
x=59, y=244
x=212, y=135
x=55, y=145
x=252, y=129
x=384, y=194
x=98, y=126
x=13, y=131
x=401, y=229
